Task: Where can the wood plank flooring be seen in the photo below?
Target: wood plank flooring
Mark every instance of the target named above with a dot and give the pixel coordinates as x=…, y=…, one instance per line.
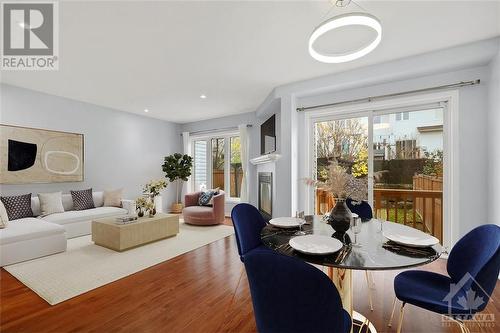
x=205, y=290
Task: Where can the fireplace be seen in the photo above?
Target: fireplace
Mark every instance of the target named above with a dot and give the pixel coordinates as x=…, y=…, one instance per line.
x=266, y=195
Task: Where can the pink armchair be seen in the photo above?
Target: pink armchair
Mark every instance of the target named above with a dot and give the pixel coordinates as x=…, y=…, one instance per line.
x=203, y=215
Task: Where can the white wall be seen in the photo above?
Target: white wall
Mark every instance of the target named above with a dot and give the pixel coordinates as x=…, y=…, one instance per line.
x=494, y=141
x=467, y=62
x=122, y=150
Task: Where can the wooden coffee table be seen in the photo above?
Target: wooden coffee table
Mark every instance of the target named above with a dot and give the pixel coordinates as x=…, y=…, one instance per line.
x=120, y=237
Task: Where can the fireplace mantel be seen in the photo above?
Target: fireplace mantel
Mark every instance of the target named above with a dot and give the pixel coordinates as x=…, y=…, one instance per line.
x=265, y=159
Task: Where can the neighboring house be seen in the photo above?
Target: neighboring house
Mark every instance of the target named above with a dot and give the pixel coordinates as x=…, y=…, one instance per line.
x=407, y=135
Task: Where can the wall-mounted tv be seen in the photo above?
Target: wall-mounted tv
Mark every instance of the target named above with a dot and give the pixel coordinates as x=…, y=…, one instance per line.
x=268, y=136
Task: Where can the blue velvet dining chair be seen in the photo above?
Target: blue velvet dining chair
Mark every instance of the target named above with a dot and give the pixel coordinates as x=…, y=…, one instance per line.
x=362, y=208
x=473, y=267
x=365, y=212
x=248, y=223
x=289, y=295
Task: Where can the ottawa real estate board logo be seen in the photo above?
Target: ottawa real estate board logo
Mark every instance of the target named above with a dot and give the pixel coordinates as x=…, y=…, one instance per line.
x=30, y=35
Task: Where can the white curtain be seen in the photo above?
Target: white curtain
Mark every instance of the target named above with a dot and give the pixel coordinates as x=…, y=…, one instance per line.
x=244, y=144
x=187, y=150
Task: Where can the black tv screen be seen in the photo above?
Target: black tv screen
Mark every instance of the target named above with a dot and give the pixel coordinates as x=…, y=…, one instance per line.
x=268, y=136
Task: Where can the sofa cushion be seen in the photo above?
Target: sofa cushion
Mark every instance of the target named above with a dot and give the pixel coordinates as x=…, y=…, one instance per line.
x=3, y=216
x=73, y=216
x=50, y=203
x=18, y=206
x=113, y=198
x=82, y=199
x=28, y=228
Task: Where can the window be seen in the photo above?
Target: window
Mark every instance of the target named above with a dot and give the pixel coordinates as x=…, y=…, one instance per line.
x=402, y=116
x=200, y=165
x=217, y=163
x=236, y=175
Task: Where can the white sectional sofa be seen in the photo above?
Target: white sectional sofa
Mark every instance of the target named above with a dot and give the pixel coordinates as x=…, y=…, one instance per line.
x=34, y=237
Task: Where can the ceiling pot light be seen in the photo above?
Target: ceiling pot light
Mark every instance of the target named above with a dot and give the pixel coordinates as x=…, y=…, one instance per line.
x=343, y=21
x=146, y=110
x=203, y=96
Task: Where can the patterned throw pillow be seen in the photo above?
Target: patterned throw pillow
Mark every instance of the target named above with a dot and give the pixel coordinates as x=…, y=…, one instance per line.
x=206, y=197
x=82, y=199
x=18, y=206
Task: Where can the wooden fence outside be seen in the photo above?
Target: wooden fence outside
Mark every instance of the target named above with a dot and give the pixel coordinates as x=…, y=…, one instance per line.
x=420, y=208
x=218, y=181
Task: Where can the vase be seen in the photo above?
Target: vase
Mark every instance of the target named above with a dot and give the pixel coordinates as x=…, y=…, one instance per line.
x=340, y=216
x=140, y=213
x=152, y=212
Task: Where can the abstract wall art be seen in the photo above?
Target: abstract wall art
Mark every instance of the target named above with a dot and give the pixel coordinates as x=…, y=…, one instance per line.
x=31, y=155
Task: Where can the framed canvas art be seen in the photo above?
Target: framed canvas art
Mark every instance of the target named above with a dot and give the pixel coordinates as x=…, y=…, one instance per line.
x=31, y=155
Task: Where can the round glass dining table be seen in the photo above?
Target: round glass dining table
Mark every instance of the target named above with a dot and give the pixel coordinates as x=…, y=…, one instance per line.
x=373, y=253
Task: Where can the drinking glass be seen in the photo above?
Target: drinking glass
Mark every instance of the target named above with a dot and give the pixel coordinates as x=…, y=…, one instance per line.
x=356, y=229
x=301, y=221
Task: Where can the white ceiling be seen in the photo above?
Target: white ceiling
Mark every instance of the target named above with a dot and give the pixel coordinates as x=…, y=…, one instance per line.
x=163, y=55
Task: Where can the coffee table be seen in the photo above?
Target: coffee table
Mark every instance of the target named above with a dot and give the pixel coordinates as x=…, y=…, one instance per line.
x=120, y=237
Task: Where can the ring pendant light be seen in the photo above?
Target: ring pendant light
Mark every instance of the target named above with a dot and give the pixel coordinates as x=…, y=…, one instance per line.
x=336, y=22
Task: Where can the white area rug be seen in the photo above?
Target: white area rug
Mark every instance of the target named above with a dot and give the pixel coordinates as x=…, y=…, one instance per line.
x=85, y=266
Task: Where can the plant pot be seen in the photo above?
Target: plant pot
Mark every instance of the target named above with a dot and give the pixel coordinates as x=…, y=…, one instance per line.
x=340, y=216
x=176, y=208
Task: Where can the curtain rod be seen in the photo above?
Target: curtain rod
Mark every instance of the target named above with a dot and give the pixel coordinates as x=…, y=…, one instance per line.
x=373, y=98
x=217, y=130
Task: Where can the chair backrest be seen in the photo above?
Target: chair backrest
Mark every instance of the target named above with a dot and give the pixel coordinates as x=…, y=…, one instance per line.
x=475, y=261
x=289, y=295
x=362, y=208
x=248, y=223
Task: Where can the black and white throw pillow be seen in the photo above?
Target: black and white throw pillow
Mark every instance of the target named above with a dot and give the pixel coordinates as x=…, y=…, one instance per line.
x=18, y=206
x=205, y=198
x=82, y=199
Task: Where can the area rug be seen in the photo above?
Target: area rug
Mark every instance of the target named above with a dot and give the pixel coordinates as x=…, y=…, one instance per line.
x=86, y=266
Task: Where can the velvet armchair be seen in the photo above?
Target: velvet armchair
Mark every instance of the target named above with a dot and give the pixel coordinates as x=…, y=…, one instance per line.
x=203, y=215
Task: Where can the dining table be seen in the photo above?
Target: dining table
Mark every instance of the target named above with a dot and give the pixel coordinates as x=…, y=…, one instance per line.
x=372, y=252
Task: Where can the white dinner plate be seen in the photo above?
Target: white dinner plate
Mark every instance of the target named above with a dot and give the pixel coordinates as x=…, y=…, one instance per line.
x=286, y=222
x=413, y=238
x=315, y=244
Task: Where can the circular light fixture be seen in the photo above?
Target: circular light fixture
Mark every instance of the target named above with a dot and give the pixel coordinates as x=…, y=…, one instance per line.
x=203, y=96
x=343, y=21
x=146, y=110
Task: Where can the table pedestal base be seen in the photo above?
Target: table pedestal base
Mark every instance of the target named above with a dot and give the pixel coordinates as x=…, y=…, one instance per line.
x=342, y=278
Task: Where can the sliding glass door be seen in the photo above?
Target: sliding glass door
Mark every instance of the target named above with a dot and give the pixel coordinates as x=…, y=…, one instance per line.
x=400, y=155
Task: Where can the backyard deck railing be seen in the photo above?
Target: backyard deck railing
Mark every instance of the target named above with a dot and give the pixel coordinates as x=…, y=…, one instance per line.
x=419, y=209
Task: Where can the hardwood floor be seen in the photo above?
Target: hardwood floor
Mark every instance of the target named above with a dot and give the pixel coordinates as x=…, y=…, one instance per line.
x=205, y=290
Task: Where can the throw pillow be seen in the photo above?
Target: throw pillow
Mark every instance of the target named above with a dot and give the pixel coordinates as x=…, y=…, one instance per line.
x=3, y=216
x=206, y=197
x=82, y=199
x=50, y=203
x=113, y=198
x=215, y=192
x=18, y=206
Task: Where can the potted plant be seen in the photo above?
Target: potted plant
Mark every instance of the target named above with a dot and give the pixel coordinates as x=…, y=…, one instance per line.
x=177, y=168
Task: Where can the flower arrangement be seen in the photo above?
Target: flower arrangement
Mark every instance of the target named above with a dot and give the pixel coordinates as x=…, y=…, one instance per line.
x=141, y=204
x=154, y=187
x=341, y=184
